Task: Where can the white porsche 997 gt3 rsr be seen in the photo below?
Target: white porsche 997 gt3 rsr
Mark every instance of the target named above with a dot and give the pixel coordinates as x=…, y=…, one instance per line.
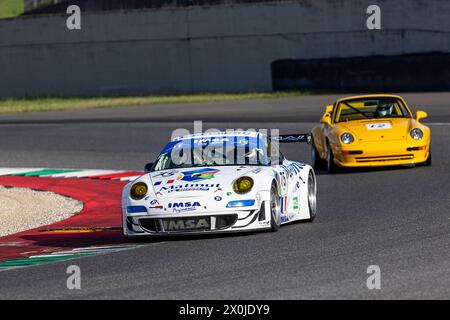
x=215, y=183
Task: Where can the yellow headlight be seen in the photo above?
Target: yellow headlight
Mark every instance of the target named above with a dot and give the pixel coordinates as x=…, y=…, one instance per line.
x=243, y=185
x=138, y=191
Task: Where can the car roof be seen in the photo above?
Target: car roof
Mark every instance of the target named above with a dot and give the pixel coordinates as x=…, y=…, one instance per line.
x=219, y=134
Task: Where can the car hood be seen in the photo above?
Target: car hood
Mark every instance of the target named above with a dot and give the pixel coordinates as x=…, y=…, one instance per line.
x=196, y=182
x=378, y=129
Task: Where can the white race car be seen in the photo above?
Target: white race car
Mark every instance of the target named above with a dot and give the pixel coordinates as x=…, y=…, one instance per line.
x=219, y=182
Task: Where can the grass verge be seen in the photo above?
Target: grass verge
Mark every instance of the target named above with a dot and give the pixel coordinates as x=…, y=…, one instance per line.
x=10, y=8
x=52, y=104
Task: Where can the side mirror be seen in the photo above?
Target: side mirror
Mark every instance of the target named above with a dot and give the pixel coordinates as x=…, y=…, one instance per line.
x=421, y=115
x=329, y=109
x=326, y=119
x=148, y=167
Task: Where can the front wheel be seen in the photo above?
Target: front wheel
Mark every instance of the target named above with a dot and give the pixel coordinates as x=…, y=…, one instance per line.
x=275, y=214
x=331, y=166
x=317, y=162
x=429, y=161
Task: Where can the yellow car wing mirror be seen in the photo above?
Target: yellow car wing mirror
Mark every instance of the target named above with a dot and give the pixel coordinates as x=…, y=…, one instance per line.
x=421, y=115
x=326, y=119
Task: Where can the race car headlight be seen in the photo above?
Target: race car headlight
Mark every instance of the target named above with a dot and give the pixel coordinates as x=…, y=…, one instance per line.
x=416, y=134
x=243, y=185
x=347, y=138
x=138, y=191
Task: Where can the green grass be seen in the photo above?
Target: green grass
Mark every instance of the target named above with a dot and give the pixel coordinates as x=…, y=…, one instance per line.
x=50, y=104
x=10, y=8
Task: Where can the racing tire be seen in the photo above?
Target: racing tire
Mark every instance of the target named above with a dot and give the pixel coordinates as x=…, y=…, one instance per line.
x=429, y=161
x=331, y=166
x=312, y=196
x=274, y=206
x=316, y=161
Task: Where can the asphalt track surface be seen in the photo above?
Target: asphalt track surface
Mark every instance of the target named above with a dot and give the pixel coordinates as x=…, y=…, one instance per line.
x=396, y=218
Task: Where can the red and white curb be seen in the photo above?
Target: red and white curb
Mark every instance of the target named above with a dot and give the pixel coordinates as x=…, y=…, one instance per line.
x=96, y=229
x=72, y=173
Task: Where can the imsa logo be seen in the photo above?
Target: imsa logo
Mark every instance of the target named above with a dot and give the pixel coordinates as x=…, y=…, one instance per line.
x=193, y=224
x=179, y=205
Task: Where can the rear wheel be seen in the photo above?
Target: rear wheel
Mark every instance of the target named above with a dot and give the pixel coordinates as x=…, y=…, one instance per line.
x=312, y=196
x=275, y=214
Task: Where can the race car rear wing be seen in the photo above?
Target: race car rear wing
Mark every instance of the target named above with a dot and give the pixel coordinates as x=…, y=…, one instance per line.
x=292, y=138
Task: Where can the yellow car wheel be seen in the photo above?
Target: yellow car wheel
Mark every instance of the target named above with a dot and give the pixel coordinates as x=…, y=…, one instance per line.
x=316, y=161
x=331, y=166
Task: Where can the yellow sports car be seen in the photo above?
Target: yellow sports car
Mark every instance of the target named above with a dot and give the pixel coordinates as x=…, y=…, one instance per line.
x=370, y=130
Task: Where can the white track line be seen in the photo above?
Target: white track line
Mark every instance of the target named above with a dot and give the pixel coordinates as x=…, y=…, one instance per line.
x=10, y=171
x=85, y=173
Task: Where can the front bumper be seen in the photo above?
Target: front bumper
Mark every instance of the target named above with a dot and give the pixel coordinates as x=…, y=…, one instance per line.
x=376, y=154
x=202, y=223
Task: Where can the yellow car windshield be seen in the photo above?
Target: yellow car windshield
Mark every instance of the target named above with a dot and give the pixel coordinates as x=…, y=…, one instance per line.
x=370, y=108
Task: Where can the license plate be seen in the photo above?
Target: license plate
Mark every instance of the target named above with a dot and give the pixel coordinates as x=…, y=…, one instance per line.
x=378, y=126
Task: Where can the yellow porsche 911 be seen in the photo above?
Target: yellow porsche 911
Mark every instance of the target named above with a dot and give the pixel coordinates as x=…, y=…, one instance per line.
x=370, y=130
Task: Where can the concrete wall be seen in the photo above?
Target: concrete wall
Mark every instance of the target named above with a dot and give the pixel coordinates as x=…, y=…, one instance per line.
x=204, y=49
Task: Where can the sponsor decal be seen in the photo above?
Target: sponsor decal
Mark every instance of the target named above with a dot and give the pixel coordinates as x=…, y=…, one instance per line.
x=284, y=218
x=211, y=140
x=295, y=203
x=169, y=181
x=264, y=223
x=218, y=198
x=154, y=204
x=256, y=171
x=172, y=225
x=293, y=169
x=190, y=187
x=166, y=174
x=278, y=179
x=284, y=204
x=184, y=206
x=199, y=174
x=190, y=176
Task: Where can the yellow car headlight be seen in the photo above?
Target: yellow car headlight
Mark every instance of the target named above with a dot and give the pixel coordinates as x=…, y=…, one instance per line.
x=243, y=185
x=138, y=191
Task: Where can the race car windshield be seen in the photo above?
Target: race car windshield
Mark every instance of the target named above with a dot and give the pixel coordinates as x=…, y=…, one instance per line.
x=374, y=108
x=216, y=151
